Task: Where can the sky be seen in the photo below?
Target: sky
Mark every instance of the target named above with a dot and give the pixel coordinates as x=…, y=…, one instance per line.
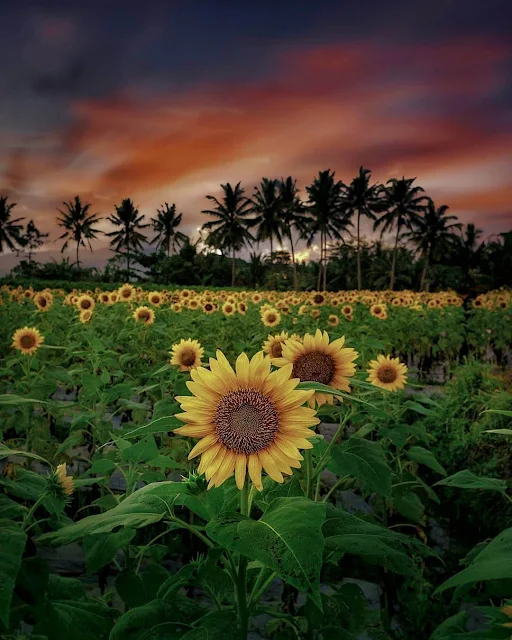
x=164, y=101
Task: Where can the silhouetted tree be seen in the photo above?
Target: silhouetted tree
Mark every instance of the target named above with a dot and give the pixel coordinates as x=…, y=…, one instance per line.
x=128, y=238
x=229, y=231
x=33, y=238
x=78, y=224
x=293, y=214
x=267, y=206
x=166, y=226
x=10, y=230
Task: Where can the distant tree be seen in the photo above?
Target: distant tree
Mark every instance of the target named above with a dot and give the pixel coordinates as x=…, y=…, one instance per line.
x=362, y=199
x=78, y=224
x=128, y=239
x=33, y=238
x=267, y=206
x=432, y=232
x=404, y=204
x=166, y=226
x=469, y=252
x=293, y=215
x=328, y=216
x=229, y=232
x=10, y=230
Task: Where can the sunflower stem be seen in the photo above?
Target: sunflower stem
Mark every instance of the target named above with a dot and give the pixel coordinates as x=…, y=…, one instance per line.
x=335, y=486
x=241, y=578
x=325, y=456
x=308, y=457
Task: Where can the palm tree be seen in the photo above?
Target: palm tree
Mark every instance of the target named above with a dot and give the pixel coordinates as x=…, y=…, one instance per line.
x=404, y=204
x=469, y=251
x=292, y=215
x=328, y=217
x=165, y=225
x=78, y=224
x=267, y=206
x=363, y=199
x=33, y=238
x=10, y=231
x=128, y=238
x=229, y=231
x=430, y=232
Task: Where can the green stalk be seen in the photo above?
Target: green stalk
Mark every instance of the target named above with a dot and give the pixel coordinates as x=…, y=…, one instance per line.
x=335, y=486
x=326, y=453
x=241, y=578
x=308, y=457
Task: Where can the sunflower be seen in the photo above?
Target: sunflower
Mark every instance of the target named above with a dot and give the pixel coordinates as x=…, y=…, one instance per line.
x=347, y=310
x=114, y=297
x=177, y=307
x=126, y=292
x=256, y=298
x=241, y=307
x=303, y=309
x=144, y=315
x=333, y=320
x=27, y=340
x=85, y=315
x=193, y=304
x=43, y=300
x=271, y=317
x=65, y=482
x=273, y=345
x=85, y=303
x=378, y=310
x=208, y=308
x=315, y=360
x=155, y=297
x=318, y=299
x=187, y=354
x=315, y=314
x=228, y=308
x=28, y=294
x=247, y=419
x=507, y=610
x=104, y=297
x=387, y=373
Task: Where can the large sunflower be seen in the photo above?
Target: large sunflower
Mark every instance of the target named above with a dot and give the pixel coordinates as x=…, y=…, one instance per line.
x=144, y=315
x=317, y=360
x=43, y=300
x=228, y=308
x=387, y=373
x=247, y=420
x=155, y=297
x=85, y=303
x=27, y=340
x=187, y=354
x=126, y=292
x=85, y=316
x=273, y=345
x=208, y=308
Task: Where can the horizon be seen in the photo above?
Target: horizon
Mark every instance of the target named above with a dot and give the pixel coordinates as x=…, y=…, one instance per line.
x=166, y=102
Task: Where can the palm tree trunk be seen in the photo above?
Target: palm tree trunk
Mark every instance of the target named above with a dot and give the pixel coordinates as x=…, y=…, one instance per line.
x=273, y=279
x=168, y=246
x=393, y=262
x=325, y=263
x=77, y=260
x=424, y=272
x=233, y=268
x=294, y=266
x=128, y=264
x=319, y=281
x=359, y=279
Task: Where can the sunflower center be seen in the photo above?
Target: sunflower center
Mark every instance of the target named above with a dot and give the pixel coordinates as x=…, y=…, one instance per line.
x=208, y=307
x=314, y=367
x=144, y=316
x=318, y=299
x=387, y=374
x=188, y=357
x=276, y=349
x=271, y=317
x=377, y=310
x=27, y=342
x=85, y=304
x=43, y=302
x=246, y=421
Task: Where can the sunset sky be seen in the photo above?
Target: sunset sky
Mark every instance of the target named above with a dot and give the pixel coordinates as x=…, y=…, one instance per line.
x=167, y=100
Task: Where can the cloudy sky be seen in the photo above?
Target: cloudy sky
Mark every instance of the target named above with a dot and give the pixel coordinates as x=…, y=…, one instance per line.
x=167, y=100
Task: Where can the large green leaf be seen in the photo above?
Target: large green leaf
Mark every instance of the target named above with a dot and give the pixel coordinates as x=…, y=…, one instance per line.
x=78, y=619
x=426, y=457
x=142, y=508
x=466, y=479
x=142, y=451
x=9, y=509
x=156, y=620
x=209, y=503
x=137, y=589
x=101, y=548
x=5, y=452
x=345, y=533
x=494, y=562
x=12, y=545
x=218, y=625
x=365, y=461
x=287, y=539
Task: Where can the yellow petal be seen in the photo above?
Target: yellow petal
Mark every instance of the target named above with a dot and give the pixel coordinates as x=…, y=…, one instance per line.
x=203, y=445
x=240, y=470
x=270, y=466
x=254, y=468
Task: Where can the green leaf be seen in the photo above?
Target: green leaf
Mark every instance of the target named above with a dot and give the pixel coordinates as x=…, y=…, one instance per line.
x=12, y=545
x=426, y=457
x=501, y=412
x=345, y=533
x=137, y=589
x=101, y=548
x=5, y=452
x=503, y=432
x=365, y=461
x=74, y=439
x=287, y=539
x=12, y=399
x=409, y=505
x=156, y=620
x=218, y=625
x=165, y=408
x=173, y=583
x=140, y=509
x=466, y=479
x=419, y=408
x=166, y=423
x=140, y=452
x=80, y=620
x=33, y=578
x=452, y=627
x=102, y=466
x=9, y=509
x=209, y=503
x=323, y=388
x=26, y=484
x=494, y=562
x=291, y=488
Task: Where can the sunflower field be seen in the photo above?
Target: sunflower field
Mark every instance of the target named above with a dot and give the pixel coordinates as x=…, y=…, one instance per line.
x=225, y=464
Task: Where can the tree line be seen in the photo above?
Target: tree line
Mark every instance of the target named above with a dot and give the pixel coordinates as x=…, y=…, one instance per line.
x=330, y=217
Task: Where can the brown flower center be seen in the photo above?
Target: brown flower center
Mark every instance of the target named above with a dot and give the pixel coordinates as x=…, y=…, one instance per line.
x=246, y=421
x=188, y=357
x=144, y=316
x=27, y=341
x=318, y=299
x=43, y=302
x=387, y=374
x=126, y=293
x=85, y=304
x=271, y=317
x=155, y=299
x=377, y=310
x=208, y=307
x=276, y=349
x=314, y=367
